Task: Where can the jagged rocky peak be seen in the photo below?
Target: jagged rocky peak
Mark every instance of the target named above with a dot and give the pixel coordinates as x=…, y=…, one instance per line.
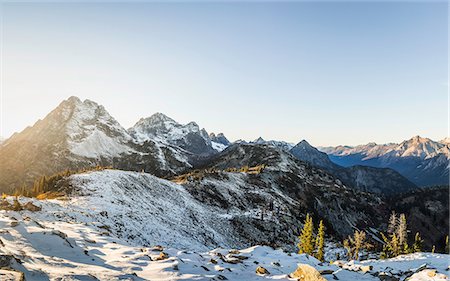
x=91, y=131
x=306, y=152
x=304, y=144
x=445, y=141
x=286, y=146
x=219, y=138
x=164, y=130
x=157, y=119
x=259, y=140
x=419, y=147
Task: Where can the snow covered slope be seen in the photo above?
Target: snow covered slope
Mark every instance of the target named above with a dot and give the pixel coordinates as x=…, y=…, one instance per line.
x=53, y=245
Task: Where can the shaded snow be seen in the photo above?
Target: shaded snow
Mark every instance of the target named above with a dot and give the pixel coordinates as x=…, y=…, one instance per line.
x=218, y=146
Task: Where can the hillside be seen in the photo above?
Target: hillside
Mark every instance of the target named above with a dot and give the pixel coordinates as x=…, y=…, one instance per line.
x=52, y=244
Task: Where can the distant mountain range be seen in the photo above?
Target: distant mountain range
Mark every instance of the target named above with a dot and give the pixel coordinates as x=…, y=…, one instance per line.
x=423, y=161
x=80, y=134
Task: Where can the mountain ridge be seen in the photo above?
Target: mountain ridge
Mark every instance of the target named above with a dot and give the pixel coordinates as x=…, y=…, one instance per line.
x=421, y=160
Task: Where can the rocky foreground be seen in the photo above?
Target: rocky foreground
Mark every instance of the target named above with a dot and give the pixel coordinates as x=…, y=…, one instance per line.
x=37, y=245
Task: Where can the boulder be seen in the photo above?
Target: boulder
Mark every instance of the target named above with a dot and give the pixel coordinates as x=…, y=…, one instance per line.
x=387, y=277
x=6, y=260
x=431, y=273
x=161, y=256
x=305, y=272
x=365, y=268
x=262, y=270
x=157, y=248
x=29, y=206
x=10, y=274
x=14, y=223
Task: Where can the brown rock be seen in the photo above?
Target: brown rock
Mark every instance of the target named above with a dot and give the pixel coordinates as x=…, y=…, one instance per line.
x=306, y=272
x=14, y=223
x=157, y=248
x=262, y=270
x=162, y=256
x=31, y=207
x=10, y=274
x=365, y=268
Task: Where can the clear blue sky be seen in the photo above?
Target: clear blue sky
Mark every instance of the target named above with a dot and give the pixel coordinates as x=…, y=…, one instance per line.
x=331, y=73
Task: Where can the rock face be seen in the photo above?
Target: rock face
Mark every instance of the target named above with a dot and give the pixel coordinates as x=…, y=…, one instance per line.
x=369, y=179
x=219, y=138
x=423, y=161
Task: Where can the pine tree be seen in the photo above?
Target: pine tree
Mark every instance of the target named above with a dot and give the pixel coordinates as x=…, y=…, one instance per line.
x=358, y=241
x=392, y=225
x=418, y=242
x=385, y=253
x=306, y=244
x=395, y=245
x=348, y=248
x=354, y=244
x=402, y=233
x=320, y=239
x=446, y=245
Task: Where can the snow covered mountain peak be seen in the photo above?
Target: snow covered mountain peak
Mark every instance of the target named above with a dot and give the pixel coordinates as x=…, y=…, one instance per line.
x=163, y=129
x=259, y=140
x=91, y=131
x=445, y=141
x=157, y=119
x=419, y=147
x=422, y=160
x=286, y=146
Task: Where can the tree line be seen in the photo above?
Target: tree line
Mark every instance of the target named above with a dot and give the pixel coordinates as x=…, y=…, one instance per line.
x=394, y=242
x=46, y=184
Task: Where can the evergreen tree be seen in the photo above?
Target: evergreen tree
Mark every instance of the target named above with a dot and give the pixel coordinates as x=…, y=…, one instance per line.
x=348, y=248
x=392, y=225
x=446, y=245
x=386, y=252
x=402, y=234
x=395, y=245
x=354, y=244
x=418, y=242
x=358, y=241
x=320, y=239
x=306, y=244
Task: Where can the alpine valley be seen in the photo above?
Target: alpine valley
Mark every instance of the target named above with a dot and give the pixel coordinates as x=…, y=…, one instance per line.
x=87, y=199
